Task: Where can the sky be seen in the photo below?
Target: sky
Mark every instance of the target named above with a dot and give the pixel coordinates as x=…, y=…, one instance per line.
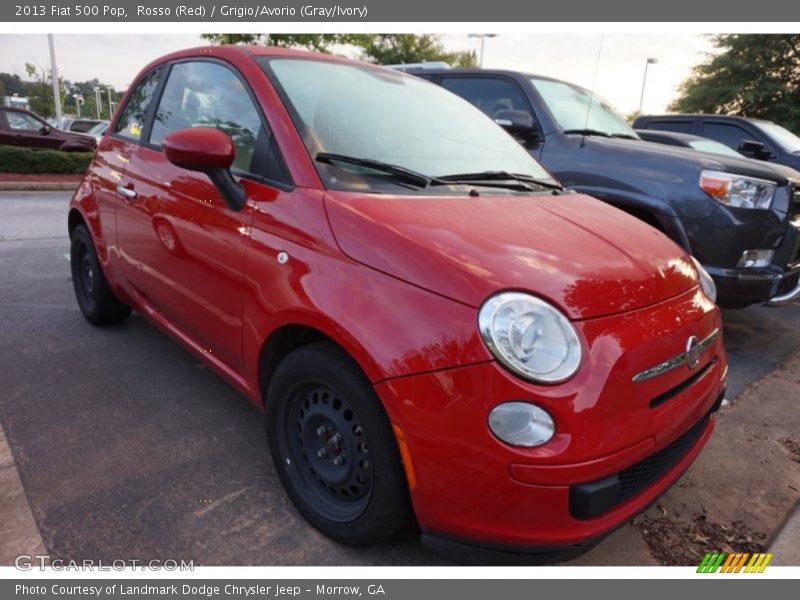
x=616, y=76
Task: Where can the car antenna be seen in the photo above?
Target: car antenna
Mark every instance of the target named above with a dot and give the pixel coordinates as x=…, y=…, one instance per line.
x=591, y=93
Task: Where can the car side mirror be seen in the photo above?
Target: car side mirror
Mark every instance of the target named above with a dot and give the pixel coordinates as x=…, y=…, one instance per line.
x=208, y=151
x=518, y=123
x=45, y=130
x=754, y=149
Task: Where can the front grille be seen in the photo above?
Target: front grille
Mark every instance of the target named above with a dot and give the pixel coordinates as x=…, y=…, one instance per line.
x=684, y=385
x=645, y=472
x=592, y=499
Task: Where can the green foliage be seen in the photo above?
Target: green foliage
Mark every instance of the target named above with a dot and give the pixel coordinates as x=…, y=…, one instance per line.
x=382, y=48
x=14, y=159
x=752, y=75
x=320, y=42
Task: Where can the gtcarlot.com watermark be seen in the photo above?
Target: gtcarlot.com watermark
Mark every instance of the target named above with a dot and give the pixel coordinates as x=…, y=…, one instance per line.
x=28, y=562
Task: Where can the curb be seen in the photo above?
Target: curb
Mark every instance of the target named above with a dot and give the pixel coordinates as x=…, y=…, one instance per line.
x=786, y=545
x=34, y=186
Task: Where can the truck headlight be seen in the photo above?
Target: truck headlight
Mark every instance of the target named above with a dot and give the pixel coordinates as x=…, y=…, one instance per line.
x=706, y=282
x=737, y=190
x=530, y=337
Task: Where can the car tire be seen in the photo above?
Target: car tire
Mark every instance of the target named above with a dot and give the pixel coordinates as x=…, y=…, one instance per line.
x=318, y=394
x=97, y=302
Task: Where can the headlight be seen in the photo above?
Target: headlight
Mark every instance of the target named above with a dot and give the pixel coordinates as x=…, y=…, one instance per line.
x=521, y=424
x=706, y=282
x=530, y=337
x=738, y=191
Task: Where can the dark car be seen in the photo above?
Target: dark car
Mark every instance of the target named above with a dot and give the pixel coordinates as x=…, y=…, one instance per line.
x=19, y=127
x=739, y=217
x=754, y=138
x=685, y=140
x=81, y=125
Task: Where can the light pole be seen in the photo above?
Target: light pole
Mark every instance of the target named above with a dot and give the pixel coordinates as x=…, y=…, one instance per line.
x=650, y=61
x=482, y=37
x=99, y=99
x=78, y=102
x=54, y=75
x=110, y=104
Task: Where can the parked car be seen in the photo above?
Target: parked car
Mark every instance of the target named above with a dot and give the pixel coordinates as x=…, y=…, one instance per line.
x=20, y=127
x=80, y=125
x=99, y=130
x=685, y=140
x=425, y=316
x=739, y=217
x=754, y=138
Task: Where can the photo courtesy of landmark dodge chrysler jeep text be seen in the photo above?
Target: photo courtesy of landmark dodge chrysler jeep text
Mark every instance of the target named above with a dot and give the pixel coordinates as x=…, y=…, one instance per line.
x=432, y=326
x=739, y=217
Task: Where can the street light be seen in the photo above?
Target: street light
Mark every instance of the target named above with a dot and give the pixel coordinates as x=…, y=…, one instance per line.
x=482, y=37
x=110, y=104
x=99, y=99
x=78, y=102
x=650, y=61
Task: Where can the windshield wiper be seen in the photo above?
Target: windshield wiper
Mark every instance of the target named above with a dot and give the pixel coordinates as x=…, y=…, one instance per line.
x=625, y=136
x=496, y=177
x=398, y=172
x=588, y=132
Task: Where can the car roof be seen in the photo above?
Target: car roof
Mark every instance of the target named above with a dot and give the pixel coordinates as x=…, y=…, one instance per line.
x=480, y=71
x=241, y=51
x=685, y=137
x=677, y=116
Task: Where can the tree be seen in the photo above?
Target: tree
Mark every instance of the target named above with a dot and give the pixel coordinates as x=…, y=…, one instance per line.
x=320, y=42
x=383, y=48
x=388, y=49
x=751, y=75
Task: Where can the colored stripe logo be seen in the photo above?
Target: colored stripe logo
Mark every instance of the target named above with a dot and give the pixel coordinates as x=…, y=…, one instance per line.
x=737, y=562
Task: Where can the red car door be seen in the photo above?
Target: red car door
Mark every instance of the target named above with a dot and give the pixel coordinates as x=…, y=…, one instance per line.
x=183, y=248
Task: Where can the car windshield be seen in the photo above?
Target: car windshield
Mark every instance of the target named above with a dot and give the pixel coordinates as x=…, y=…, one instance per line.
x=373, y=113
x=577, y=109
x=713, y=147
x=784, y=138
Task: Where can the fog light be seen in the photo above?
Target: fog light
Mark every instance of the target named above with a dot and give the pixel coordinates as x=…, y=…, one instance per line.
x=521, y=424
x=752, y=259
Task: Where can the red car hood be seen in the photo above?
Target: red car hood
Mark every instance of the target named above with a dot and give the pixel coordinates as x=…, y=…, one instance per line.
x=585, y=256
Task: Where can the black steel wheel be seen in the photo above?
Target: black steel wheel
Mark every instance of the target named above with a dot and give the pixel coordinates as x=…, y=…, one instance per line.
x=334, y=448
x=97, y=302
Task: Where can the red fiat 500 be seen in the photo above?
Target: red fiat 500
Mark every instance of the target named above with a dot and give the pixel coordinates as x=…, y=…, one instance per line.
x=432, y=326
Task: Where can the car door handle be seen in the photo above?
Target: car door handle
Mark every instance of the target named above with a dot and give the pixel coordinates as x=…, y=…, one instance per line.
x=126, y=192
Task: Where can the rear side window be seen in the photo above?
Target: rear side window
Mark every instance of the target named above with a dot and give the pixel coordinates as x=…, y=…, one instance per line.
x=206, y=94
x=676, y=126
x=131, y=120
x=730, y=135
x=489, y=95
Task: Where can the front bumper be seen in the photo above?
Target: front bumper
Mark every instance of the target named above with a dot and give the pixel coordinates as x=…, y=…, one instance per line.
x=471, y=489
x=772, y=286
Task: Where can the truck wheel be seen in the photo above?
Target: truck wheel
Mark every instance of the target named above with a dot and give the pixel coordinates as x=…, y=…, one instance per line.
x=333, y=447
x=97, y=302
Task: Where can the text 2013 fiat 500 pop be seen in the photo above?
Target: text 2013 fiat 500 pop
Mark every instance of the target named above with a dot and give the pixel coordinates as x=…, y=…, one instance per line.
x=432, y=326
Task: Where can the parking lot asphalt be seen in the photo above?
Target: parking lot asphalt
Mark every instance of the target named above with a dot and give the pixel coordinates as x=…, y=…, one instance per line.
x=127, y=447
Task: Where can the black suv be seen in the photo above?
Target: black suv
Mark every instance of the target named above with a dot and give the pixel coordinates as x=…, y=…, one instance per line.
x=754, y=138
x=739, y=217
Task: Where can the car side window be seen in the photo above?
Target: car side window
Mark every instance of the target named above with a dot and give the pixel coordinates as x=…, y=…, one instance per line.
x=131, y=120
x=207, y=94
x=488, y=94
x=672, y=125
x=21, y=121
x=730, y=135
